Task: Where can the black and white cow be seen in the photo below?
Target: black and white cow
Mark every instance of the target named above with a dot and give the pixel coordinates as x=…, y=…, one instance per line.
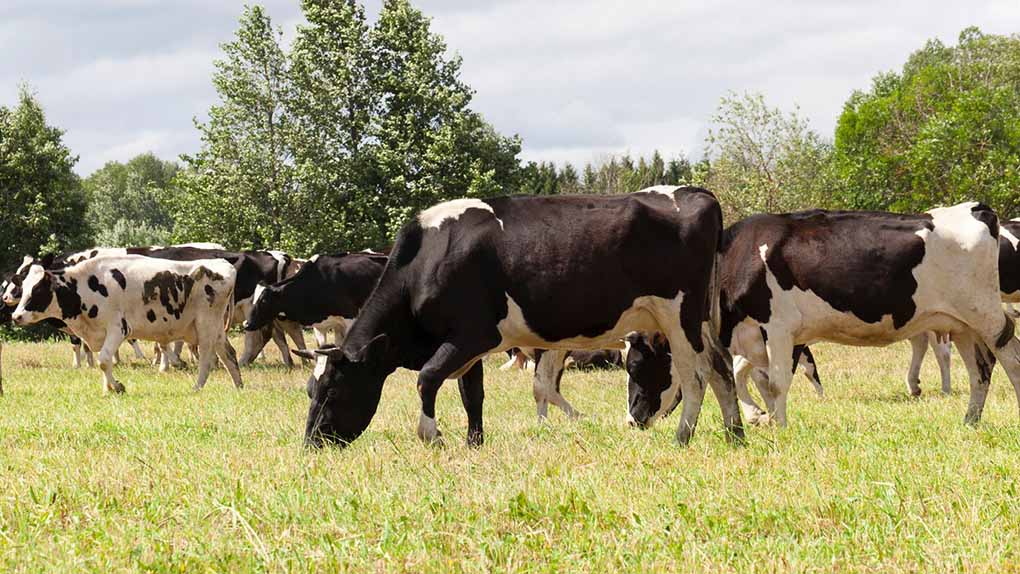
x=866, y=279
x=471, y=277
x=107, y=299
x=1009, y=288
x=325, y=294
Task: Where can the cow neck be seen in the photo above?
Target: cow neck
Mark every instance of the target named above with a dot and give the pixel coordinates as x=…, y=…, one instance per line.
x=384, y=314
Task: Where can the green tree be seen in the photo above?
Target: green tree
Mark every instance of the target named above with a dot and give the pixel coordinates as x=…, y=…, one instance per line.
x=764, y=160
x=237, y=190
x=126, y=201
x=942, y=131
x=42, y=198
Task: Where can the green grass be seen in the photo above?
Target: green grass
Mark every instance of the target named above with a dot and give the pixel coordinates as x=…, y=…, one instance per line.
x=164, y=479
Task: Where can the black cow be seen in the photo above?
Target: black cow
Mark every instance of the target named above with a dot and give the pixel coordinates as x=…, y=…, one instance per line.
x=325, y=294
x=471, y=277
x=867, y=279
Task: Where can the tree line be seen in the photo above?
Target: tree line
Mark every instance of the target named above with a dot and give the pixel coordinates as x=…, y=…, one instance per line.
x=335, y=140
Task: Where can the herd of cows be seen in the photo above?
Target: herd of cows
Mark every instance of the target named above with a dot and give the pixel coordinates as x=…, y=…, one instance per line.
x=653, y=273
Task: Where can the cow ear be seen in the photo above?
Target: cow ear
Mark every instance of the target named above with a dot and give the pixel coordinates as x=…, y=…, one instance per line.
x=374, y=351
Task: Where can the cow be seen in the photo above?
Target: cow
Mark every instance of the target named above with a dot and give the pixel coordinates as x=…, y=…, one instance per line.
x=1009, y=291
x=107, y=299
x=5, y=318
x=865, y=279
x=470, y=277
x=325, y=294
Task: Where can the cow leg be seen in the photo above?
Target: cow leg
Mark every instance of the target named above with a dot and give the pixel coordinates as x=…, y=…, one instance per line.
x=918, y=348
x=157, y=356
x=206, y=357
x=761, y=382
x=742, y=368
x=780, y=351
x=449, y=358
x=90, y=358
x=942, y=347
x=1007, y=350
x=114, y=338
x=76, y=348
x=979, y=362
x=546, y=388
x=281, y=343
x=137, y=350
x=1011, y=311
x=320, y=337
x=254, y=342
x=297, y=335
x=228, y=356
x=472, y=394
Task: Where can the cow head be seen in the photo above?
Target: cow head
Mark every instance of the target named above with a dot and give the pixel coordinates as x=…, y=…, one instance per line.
x=344, y=391
x=649, y=382
x=263, y=308
x=36, y=298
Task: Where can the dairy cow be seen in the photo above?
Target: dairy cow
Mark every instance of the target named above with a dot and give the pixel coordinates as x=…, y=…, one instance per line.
x=325, y=294
x=471, y=277
x=107, y=299
x=867, y=279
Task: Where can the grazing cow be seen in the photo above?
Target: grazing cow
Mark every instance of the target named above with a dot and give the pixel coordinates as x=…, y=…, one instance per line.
x=598, y=359
x=105, y=300
x=867, y=279
x=471, y=277
x=325, y=294
x=1009, y=288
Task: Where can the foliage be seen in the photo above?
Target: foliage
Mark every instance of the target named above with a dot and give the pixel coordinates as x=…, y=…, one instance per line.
x=42, y=201
x=945, y=129
x=337, y=143
x=125, y=202
x=237, y=189
x=617, y=174
x=764, y=160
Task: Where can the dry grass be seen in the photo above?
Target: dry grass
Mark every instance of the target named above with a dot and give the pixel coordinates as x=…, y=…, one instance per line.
x=163, y=479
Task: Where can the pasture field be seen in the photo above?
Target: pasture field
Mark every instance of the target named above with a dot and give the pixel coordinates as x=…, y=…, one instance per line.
x=166, y=480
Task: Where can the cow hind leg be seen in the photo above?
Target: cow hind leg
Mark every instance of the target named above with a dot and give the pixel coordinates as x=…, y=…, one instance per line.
x=979, y=362
x=136, y=349
x=780, y=351
x=472, y=395
x=943, y=349
x=768, y=395
x=918, y=348
x=546, y=388
x=742, y=368
x=114, y=338
x=206, y=356
x=1006, y=349
x=228, y=356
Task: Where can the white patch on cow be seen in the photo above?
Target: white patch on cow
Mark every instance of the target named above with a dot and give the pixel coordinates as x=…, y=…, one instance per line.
x=320, y=366
x=763, y=250
x=666, y=190
x=259, y=290
x=1009, y=237
x=434, y=216
x=26, y=262
x=202, y=245
x=314, y=258
x=281, y=263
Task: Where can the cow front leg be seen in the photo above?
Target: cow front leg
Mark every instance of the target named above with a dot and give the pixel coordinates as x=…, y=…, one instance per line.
x=448, y=359
x=780, y=350
x=979, y=362
x=76, y=348
x=297, y=336
x=546, y=386
x=114, y=338
x=280, y=339
x=943, y=349
x=715, y=364
x=918, y=348
x=472, y=395
x=206, y=358
x=254, y=342
x=742, y=369
x=136, y=349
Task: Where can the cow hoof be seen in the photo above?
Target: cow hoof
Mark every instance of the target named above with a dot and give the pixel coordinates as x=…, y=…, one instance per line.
x=765, y=420
x=475, y=439
x=117, y=388
x=915, y=393
x=428, y=430
x=683, y=436
x=735, y=436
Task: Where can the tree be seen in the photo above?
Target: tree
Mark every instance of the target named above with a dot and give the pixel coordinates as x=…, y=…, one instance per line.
x=238, y=189
x=126, y=201
x=764, y=160
x=42, y=197
x=942, y=131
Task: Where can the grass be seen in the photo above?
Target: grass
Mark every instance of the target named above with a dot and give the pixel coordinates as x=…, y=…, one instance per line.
x=163, y=479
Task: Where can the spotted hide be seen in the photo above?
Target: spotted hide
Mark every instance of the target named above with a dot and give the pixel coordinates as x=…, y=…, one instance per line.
x=107, y=299
x=866, y=279
x=325, y=294
x=471, y=277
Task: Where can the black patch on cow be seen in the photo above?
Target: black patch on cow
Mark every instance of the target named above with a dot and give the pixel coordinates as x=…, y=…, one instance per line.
x=210, y=294
x=93, y=312
x=68, y=298
x=98, y=287
x=408, y=243
x=985, y=364
x=41, y=295
x=124, y=330
x=1009, y=259
x=798, y=350
x=764, y=334
x=986, y=215
x=1006, y=334
x=151, y=316
x=119, y=278
x=93, y=253
x=171, y=289
x=858, y=262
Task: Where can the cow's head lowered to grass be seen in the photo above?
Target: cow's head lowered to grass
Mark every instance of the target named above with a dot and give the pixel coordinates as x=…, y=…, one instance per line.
x=344, y=390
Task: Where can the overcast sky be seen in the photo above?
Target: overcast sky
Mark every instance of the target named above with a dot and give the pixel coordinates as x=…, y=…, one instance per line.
x=577, y=79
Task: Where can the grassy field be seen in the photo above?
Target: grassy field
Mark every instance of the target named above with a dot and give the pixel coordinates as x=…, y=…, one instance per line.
x=163, y=479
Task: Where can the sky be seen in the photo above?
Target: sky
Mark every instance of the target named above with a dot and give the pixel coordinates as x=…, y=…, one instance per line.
x=578, y=80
